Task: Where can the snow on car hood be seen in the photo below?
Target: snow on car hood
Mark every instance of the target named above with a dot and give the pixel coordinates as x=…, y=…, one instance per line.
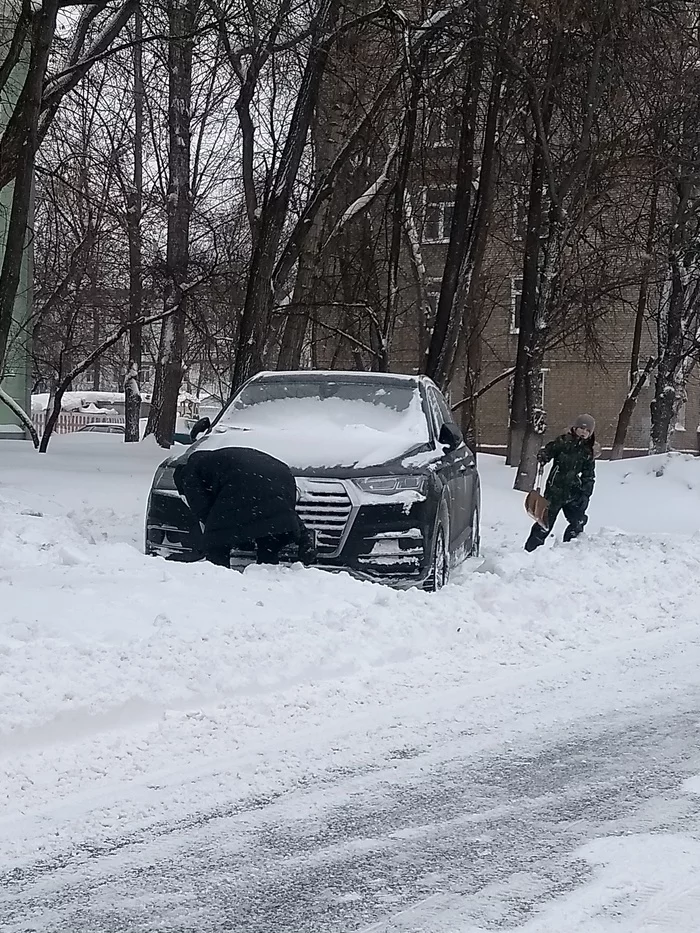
x=311, y=433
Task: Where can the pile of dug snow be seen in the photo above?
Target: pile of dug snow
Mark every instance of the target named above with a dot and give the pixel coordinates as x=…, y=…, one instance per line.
x=119, y=671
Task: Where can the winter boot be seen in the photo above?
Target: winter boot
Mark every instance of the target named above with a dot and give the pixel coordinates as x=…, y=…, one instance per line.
x=572, y=531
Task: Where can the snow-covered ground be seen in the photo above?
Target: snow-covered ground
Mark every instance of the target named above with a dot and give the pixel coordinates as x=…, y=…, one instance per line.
x=137, y=694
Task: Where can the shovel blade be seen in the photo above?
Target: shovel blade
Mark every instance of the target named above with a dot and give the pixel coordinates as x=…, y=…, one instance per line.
x=537, y=507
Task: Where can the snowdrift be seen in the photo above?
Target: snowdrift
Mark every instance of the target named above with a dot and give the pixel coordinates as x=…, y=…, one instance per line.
x=117, y=670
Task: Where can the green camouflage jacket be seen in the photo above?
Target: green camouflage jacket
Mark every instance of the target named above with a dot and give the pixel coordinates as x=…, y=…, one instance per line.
x=573, y=472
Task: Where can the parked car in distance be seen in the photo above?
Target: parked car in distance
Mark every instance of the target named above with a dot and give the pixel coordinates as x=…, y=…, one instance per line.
x=384, y=477
x=182, y=435
x=102, y=427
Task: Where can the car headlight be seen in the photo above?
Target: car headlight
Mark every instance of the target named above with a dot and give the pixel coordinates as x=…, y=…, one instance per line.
x=164, y=477
x=389, y=485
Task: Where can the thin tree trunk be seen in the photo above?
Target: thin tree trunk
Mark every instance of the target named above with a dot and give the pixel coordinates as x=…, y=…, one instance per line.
x=527, y=323
x=439, y=349
x=472, y=211
x=636, y=385
x=132, y=393
x=97, y=368
x=257, y=310
x=397, y=221
x=627, y=410
x=471, y=379
x=297, y=323
x=169, y=372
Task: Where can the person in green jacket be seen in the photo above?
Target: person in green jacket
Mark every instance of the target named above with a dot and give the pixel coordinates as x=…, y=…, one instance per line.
x=571, y=480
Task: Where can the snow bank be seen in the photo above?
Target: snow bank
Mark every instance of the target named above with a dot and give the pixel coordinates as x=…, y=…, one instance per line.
x=133, y=689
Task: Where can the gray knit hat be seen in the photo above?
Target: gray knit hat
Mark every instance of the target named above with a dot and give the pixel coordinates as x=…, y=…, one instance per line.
x=585, y=421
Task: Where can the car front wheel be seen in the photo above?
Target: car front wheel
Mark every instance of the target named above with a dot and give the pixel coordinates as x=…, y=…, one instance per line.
x=440, y=568
x=475, y=542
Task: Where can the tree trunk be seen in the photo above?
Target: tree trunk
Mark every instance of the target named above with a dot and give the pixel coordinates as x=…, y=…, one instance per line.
x=169, y=372
x=472, y=209
x=627, y=410
x=671, y=325
x=527, y=333
x=297, y=323
x=636, y=385
x=257, y=309
x=132, y=405
x=399, y=206
x=472, y=375
x=132, y=394
x=663, y=408
x=53, y=413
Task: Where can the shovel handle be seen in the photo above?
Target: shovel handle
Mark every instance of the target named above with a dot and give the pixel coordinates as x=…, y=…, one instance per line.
x=539, y=477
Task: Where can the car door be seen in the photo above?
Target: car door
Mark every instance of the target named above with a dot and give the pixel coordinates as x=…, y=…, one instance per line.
x=460, y=473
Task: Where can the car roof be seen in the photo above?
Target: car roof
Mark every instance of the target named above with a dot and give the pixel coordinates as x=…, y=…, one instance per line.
x=338, y=375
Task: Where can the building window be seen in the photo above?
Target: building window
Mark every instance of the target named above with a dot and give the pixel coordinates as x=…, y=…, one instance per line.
x=680, y=416
x=437, y=219
x=516, y=297
x=444, y=127
x=539, y=390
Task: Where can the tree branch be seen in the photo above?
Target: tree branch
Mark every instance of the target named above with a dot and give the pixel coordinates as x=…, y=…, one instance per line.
x=17, y=409
x=484, y=389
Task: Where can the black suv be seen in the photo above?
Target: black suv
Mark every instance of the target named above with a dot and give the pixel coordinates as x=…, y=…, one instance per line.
x=385, y=480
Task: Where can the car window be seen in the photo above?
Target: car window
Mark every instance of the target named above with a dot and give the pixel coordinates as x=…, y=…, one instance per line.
x=436, y=411
x=443, y=407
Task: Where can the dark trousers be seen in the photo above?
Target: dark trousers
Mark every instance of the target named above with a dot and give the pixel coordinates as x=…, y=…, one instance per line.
x=574, y=512
x=268, y=548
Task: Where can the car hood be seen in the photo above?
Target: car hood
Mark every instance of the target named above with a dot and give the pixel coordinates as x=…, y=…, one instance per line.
x=356, y=452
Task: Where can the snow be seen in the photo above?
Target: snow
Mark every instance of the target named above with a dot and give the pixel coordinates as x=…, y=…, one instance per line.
x=77, y=401
x=653, y=880
x=308, y=432
x=134, y=691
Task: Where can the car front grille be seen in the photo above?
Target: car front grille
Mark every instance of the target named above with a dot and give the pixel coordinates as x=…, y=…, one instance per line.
x=325, y=507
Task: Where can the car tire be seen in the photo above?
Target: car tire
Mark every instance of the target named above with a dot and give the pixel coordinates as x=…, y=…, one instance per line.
x=440, y=564
x=475, y=542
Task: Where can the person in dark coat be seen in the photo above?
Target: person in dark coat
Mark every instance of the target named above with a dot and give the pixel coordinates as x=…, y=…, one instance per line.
x=241, y=495
x=571, y=480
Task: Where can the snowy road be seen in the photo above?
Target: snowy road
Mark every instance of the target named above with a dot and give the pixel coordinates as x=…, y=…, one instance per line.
x=584, y=815
x=455, y=846
x=183, y=748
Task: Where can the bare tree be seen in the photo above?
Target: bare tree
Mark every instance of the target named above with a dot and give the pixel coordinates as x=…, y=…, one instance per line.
x=96, y=26
x=134, y=211
x=475, y=184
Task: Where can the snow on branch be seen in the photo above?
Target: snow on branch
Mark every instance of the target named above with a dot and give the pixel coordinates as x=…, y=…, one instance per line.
x=484, y=389
x=17, y=409
x=367, y=198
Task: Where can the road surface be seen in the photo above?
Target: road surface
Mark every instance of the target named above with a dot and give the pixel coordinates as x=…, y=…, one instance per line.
x=435, y=842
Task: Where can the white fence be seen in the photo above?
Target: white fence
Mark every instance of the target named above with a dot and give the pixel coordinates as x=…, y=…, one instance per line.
x=69, y=421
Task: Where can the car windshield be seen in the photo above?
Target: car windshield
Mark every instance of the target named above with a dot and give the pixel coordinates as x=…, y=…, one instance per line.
x=382, y=407
x=329, y=422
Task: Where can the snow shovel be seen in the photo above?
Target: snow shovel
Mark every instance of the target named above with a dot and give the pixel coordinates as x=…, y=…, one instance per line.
x=536, y=506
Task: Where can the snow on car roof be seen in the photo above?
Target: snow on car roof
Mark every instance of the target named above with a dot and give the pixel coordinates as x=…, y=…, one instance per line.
x=336, y=375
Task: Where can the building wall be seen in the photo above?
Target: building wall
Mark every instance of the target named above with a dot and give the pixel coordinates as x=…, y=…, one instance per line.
x=17, y=367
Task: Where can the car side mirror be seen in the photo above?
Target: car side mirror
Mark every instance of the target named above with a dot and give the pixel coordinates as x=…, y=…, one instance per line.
x=450, y=436
x=200, y=427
